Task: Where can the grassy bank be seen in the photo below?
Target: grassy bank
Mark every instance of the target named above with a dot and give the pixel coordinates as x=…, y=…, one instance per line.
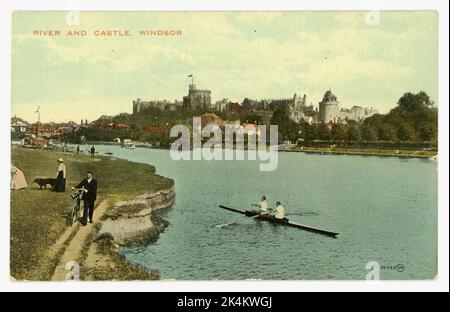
x=370, y=152
x=39, y=217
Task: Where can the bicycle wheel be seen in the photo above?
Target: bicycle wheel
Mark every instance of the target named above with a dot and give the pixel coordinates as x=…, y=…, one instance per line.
x=74, y=214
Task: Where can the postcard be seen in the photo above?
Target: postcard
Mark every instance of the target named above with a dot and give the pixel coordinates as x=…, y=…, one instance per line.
x=224, y=146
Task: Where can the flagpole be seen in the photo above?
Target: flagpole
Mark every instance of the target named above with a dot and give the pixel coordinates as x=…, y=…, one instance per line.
x=38, y=111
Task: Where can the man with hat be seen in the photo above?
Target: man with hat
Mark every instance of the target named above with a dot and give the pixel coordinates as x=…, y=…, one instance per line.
x=89, y=186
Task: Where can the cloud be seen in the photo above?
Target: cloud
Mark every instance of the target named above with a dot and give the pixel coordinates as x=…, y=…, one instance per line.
x=307, y=51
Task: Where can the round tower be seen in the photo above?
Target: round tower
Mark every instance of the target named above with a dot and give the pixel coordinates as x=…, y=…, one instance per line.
x=329, y=108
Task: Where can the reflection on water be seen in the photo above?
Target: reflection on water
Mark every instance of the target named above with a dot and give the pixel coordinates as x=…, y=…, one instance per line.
x=384, y=208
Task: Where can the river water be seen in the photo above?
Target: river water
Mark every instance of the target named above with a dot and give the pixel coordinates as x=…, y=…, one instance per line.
x=385, y=210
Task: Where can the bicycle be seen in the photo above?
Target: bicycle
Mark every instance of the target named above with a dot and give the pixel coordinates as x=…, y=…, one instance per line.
x=77, y=197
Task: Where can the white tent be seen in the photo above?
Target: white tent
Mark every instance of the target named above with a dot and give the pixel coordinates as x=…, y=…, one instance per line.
x=17, y=179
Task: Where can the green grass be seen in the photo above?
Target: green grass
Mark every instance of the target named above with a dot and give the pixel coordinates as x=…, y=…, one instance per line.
x=39, y=217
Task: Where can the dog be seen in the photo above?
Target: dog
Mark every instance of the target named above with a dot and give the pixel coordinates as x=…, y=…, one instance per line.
x=45, y=182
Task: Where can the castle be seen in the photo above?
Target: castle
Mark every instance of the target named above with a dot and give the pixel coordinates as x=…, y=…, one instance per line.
x=140, y=106
x=330, y=110
x=196, y=99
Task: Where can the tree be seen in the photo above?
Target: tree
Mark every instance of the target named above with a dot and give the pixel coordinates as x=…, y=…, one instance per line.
x=338, y=133
x=405, y=131
x=307, y=133
x=428, y=132
x=246, y=103
x=287, y=129
x=386, y=132
x=322, y=132
x=410, y=102
x=369, y=133
x=353, y=133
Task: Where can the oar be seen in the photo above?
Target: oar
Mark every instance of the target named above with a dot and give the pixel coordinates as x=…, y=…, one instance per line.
x=220, y=226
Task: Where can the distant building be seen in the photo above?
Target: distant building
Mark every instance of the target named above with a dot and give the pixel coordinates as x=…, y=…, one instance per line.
x=17, y=141
x=329, y=108
x=43, y=129
x=19, y=125
x=252, y=128
x=63, y=130
x=157, y=129
x=221, y=105
x=357, y=113
x=197, y=98
x=297, y=108
x=234, y=107
x=141, y=106
x=212, y=119
x=299, y=102
x=113, y=125
x=236, y=124
x=331, y=112
x=85, y=124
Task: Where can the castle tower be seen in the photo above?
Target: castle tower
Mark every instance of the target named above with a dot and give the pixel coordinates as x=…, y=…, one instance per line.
x=329, y=108
x=197, y=98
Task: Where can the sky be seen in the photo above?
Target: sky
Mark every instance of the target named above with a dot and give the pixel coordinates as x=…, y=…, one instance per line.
x=235, y=55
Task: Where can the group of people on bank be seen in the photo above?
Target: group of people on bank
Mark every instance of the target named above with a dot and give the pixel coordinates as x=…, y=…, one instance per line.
x=91, y=150
x=264, y=208
x=88, y=186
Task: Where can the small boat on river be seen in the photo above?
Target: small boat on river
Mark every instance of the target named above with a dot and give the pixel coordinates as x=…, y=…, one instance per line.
x=269, y=218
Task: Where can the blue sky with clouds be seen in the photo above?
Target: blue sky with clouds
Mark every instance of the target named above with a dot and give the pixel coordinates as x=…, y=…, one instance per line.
x=236, y=55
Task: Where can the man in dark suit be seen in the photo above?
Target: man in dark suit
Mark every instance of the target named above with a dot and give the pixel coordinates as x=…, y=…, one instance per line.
x=90, y=195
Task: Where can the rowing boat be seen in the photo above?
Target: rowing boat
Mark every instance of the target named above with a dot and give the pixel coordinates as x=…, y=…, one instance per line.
x=269, y=218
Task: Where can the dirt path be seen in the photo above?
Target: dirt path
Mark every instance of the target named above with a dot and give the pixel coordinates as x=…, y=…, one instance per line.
x=74, y=248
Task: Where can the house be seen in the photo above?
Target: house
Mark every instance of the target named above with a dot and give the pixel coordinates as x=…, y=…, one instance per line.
x=116, y=126
x=43, y=129
x=63, y=130
x=236, y=124
x=234, y=107
x=17, y=139
x=122, y=126
x=252, y=128
x=156, y=129
x=19, y=125
x=212, y=119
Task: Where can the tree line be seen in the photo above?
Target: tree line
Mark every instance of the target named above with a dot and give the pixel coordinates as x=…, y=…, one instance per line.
x=413, y=120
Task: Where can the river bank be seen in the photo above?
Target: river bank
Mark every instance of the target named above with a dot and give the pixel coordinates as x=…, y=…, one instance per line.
x=126, y=223
x=424, y=153
x=40, y=236
x=421, y=154
x=392, y=151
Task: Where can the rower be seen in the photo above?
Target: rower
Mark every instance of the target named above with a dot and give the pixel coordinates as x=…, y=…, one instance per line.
x=279, y=211
x=263, y=205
